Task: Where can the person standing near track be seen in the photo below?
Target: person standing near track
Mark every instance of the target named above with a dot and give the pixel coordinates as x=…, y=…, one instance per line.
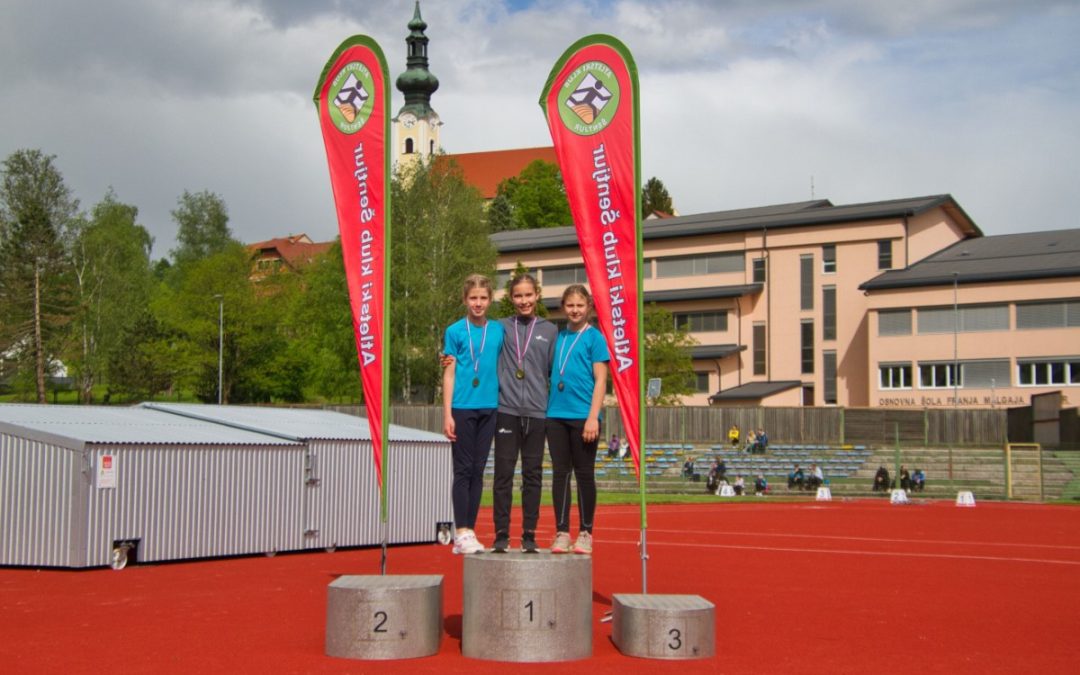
x=524, y=365
x=470, y=402
x=575, y=402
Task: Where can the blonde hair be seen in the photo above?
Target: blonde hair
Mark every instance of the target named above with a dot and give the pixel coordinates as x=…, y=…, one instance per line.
x=576, y=289
x=477, y=281
x=522, y=278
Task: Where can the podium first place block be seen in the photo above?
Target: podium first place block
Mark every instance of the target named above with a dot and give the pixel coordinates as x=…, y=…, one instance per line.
x=384, y=617
x=527, y=607
x=664, y=626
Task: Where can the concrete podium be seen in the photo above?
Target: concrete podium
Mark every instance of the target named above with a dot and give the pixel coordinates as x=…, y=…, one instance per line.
x=527, y=607
x=664, y=626
x=384, y=617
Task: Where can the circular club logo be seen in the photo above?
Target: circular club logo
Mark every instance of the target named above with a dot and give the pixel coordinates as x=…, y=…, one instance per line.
x=589, y=98
x=351, y=97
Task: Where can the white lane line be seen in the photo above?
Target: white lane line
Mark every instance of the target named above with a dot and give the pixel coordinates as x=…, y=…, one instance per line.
x=797, y=535
x=895, y=554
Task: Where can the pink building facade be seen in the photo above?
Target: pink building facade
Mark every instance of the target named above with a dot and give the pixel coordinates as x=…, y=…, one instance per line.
x=803, y=304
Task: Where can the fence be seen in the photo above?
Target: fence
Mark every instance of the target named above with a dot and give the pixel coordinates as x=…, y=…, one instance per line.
x=866, y=426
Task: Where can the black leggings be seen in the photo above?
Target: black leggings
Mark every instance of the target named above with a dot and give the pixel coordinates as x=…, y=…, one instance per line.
x=570, y=452
x=517, y=436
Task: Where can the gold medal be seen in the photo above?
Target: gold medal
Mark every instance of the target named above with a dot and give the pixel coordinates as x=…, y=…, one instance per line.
x=561, y=386
x=519, y=374
x=476, y=382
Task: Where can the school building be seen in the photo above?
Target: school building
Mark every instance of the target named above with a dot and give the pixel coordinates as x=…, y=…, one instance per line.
x=894, y=303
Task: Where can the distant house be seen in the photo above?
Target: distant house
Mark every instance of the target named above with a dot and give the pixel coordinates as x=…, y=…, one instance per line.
x=284, y=254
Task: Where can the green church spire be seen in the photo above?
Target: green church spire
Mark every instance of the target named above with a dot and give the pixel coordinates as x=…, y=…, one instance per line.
x=417, y=82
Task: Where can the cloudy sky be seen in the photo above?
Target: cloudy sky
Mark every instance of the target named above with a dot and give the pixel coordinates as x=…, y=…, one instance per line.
x=744, y=102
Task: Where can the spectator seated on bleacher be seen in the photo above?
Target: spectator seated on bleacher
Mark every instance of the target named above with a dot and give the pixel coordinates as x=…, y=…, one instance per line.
x=816, y=478
x=918, y=480
x=733, y=436
x=796, y=479
x=739, y=486
x=762, y=441
x=905, y=479
x=751, y=442
x=688, y=468
x=881, y=480
x=713, y=480
x=761, y=486
x=613, y=447
x=721, y=469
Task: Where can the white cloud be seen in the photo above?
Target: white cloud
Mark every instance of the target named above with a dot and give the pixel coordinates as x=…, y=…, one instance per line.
x=742, y=101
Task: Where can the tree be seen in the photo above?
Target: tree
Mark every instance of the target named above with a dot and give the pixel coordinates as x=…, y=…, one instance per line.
x=439, y=236
x=500, y=214
x=202, y=226
x=655, y=197
x=667, y=355
x=36, y=208
x=258, y=366
x=322, y=329
x=537, y=197
x=110, y=259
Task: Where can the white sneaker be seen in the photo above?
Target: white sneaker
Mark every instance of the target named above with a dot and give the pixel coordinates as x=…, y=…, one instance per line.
x=467, y=543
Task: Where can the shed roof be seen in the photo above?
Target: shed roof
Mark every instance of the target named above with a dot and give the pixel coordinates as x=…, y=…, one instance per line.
x=77, y=426
x=1004, y=257
x=755, y=390
x=299, y=424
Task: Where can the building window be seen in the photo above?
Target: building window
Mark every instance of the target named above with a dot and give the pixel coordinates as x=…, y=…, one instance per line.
x=806, y=282
x=828, y=366
x=807, y=328
x=759, y=270
x=884, y=254
x=808, y=394
x=971, y=319
x=565, y=275
x=408, y=146
x=701, y=322
x=701, y=382
x=985, y=374
x=828, y=313
x=431, y=147
x=694, y=265
x=759, y=349
x=894, y=376
x=1048, y=372
x=828, y=259
x=502, y=277
x=894, y=322
x=1060, y=314
x=939, y=376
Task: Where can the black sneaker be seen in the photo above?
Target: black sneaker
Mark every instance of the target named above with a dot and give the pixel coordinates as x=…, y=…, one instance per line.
x=502, y=542
x=528, y=543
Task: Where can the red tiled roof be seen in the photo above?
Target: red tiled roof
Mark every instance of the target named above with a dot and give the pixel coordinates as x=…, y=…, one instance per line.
x=485, y=170
x=296, y=250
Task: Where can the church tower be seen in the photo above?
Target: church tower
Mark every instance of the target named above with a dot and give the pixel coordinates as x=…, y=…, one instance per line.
x=416, y=126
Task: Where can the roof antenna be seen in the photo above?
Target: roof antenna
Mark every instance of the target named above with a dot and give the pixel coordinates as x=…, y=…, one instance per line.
x=811, y=186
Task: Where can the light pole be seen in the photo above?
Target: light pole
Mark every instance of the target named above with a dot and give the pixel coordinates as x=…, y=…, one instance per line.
x=221, y=344
x=955, y=340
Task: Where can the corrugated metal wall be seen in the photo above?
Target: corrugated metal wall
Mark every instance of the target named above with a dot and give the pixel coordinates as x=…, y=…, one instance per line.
x=197, y=501
x=420, y=475
x=194, y=501
x=35, y=502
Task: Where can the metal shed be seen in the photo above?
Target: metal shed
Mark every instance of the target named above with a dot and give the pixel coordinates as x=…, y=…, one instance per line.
x=83, y=486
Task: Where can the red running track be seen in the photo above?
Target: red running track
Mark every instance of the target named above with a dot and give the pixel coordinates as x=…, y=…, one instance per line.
x=840, y=587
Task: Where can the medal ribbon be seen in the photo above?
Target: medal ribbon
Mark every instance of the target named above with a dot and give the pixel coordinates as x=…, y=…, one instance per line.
x=563, y=359
x=483, y=341
x=517, y=342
